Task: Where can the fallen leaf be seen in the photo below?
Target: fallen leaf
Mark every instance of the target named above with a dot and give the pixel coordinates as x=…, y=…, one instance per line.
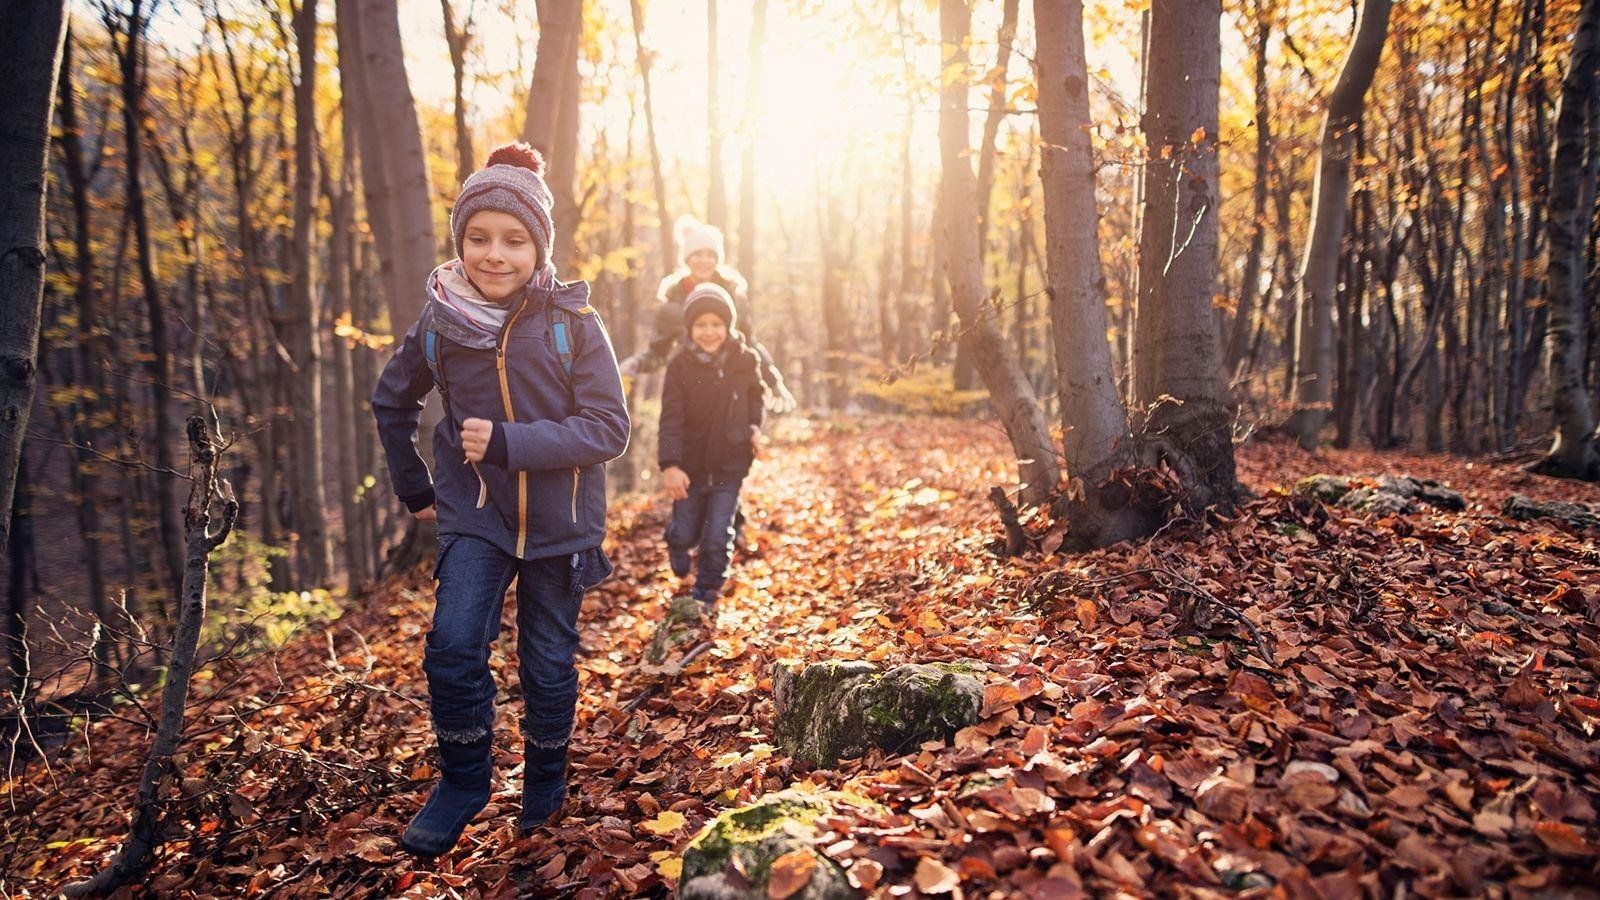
x=790, y=874
x=664, y=824
x=934, y=877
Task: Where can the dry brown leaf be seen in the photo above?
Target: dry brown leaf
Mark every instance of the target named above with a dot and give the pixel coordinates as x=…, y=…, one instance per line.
x=934, y=877
x=790, y=874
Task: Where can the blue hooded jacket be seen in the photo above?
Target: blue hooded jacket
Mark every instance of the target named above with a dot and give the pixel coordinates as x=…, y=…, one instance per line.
x=549, y=498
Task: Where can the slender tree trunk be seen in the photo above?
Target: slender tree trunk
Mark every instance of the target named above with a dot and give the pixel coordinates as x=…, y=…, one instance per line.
x=1177, y=362
x=747, y=183
x=30, y=56
x=560, y=22
x=22, y=572
x=1239, y=338
x=90, y=354
x=1094, y=425
x=1573, y=453
x=717, y=195
x=995, y=359
x=658, y=181
x=133, y=858
x=395, y=168
x=306, y=344
x=563, y=171
x=992, y=119
x=459, y=41
x=1319, y=270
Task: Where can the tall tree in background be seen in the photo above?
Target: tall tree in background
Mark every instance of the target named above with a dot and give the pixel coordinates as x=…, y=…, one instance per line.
x=717, y=194
x=394, y=165
x=129, y=29
x=1094, y=425
x=1573, y=452
x=30, y=56
x=746, y=255
x=459, y=41
x=658, y=181
x=990, y=352
x=1319, y=270
x=1177, y=365
x=305, y=320
x=551, y=124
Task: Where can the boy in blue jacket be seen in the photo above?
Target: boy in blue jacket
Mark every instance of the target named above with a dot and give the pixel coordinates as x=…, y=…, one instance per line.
x=533, y=409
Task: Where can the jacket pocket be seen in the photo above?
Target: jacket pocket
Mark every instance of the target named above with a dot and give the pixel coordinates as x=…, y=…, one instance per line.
x=589, y=568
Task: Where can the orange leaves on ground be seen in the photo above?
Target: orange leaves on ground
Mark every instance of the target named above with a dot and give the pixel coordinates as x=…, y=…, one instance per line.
x=934, y=877
x=790, y=874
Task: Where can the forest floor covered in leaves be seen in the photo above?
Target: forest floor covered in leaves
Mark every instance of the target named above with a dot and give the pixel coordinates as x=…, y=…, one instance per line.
x=1419, y=715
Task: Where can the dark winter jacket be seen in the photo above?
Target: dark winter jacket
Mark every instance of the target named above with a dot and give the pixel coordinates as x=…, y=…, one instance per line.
x=709, y=412
x=554, y=432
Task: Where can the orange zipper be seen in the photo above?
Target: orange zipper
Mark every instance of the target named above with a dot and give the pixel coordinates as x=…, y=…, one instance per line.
x=574, y=495
x=505, y=397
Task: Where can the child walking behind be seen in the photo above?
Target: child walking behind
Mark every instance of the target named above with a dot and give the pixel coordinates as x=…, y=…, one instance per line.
x=711, y=407
x=533, y=407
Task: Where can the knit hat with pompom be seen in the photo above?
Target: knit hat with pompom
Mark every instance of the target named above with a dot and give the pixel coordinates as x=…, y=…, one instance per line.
x=694, y=235
x=512, y=182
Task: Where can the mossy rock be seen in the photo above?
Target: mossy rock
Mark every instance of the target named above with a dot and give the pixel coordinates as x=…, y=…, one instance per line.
x=839, y=710
x=1377, y=501
x=749, y=839
x=681, y=626
x=1327, y=488
x=1578, y=515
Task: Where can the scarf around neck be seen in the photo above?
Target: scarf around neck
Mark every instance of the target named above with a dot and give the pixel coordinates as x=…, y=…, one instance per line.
x=449, y=285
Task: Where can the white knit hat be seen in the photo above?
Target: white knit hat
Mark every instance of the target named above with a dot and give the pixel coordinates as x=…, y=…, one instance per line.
x=694, y=235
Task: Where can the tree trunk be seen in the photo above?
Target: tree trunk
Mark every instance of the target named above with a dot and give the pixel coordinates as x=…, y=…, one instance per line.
x=747, y=183
x=90, y=354
x=133, y=858
x=30, y=56
x=1319, y=270
x=560, y=22
x=1239, y=338
x=128, y=42
x=1573, y=453
x=995, y=359
x=1094, y=425
x=991, y=120
x=22, y=572
x=1177, y=365
x=304, y=316
x=395, y=166
x=664, y=241
x=717, y=194
x=459, y=40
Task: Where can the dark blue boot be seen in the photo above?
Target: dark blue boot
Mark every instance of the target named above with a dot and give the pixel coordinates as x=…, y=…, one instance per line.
x=544, y=785
x=462, y=792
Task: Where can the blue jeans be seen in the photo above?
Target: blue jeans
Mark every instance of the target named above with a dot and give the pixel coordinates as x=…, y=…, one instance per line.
x=704, y=519
x=473, y=576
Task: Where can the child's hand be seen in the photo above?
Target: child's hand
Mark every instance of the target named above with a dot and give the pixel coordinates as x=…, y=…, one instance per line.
x=757, y=445
x=431, y=514
x=675, y=482
x=475, y=435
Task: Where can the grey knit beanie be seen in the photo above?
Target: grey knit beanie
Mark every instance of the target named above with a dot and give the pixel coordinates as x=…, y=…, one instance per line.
x=510, y=182
x=708, y=297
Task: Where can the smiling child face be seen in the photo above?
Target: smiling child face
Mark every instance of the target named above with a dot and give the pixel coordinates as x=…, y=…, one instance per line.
x=708, y=332
x=498, y=254
x=702, y=263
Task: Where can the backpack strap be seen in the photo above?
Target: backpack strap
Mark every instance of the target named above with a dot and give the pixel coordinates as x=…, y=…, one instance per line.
x=430, y=352
x=558, y=322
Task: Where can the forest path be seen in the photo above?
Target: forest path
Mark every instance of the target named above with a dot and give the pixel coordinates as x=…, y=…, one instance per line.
x=1428, y=717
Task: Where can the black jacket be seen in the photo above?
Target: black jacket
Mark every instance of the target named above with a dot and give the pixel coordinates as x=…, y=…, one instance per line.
x=709, y=412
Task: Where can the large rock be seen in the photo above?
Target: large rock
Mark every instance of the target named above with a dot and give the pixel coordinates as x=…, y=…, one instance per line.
x=838, y=710
x=732, y=858
x=1391, y=494
x=1578, y=515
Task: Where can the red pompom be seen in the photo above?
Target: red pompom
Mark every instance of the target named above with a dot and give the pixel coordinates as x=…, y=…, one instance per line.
x=517, y=154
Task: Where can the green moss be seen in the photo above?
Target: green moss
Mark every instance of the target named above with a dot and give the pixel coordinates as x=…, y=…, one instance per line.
x=745, y=831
